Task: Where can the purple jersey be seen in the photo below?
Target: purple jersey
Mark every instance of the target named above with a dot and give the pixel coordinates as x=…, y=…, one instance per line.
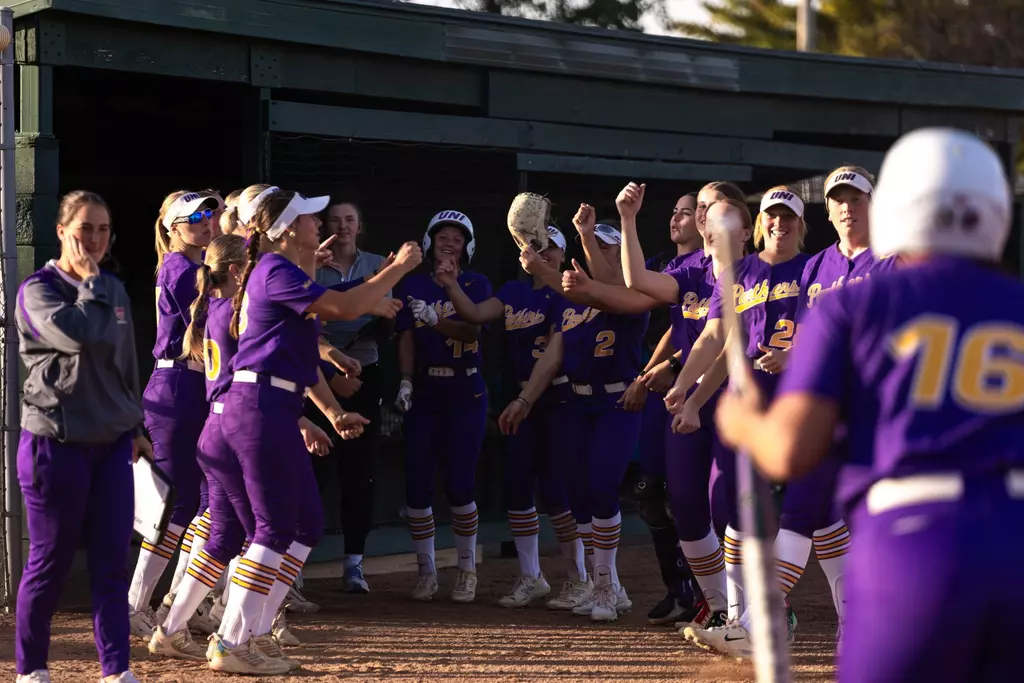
x=830, y=269
x=529, y=314
x=663, y=318
x=433, y=349
x=696, y=286
x=219, y=348
x=175, y=292
x=766, y=298
x=929, y=377
x=601, y=348
x=275, y=335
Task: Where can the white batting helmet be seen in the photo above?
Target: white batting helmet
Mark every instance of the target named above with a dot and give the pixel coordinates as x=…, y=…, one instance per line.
x=457, y=219
x=941, y=190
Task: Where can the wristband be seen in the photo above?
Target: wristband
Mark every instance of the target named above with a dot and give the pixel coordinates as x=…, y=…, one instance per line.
x=675, y=365
x=523, y=401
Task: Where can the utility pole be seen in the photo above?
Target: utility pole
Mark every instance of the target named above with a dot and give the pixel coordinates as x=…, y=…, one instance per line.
x=806, y=31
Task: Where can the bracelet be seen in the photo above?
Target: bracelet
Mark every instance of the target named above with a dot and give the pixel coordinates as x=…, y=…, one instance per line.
x=523, y=401
x=674, y=364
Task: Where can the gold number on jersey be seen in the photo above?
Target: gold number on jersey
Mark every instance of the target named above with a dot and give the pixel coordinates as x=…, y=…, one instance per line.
x=605, y=342
x=983, y=381
x=458, y=348
x=783, y=337
x=243, y=315
x=211, y=359
x=539, y=344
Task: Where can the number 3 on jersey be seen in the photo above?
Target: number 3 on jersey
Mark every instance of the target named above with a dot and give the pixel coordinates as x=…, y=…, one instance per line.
x=987, y=370
x=458, y=348
x=605, y=341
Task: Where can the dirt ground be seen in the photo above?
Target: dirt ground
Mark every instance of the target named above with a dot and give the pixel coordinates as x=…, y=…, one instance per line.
x=387, y=636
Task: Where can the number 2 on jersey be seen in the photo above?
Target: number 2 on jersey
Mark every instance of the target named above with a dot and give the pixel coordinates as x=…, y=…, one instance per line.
x=605, y=342
x=458, y=348
x=783, y=337
x=982, y=380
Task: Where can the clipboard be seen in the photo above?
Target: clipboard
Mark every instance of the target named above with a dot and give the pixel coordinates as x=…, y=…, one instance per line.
x=154, y=500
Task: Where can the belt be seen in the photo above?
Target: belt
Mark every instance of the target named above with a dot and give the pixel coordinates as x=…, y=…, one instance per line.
x=250, y=377
x=588, y=390
x=217, y=407
x=555, y=382
x=448, y=372
x=193, y=365
x=937, y=487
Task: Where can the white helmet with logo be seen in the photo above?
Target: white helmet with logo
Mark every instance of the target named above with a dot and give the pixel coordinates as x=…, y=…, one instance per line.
x=454, y=218
x=941, y=190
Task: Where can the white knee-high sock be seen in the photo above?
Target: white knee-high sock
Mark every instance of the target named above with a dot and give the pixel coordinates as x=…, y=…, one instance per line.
x=791, y=554
x=734, y=571
x=200, y=578
x=465, y=523
x=196, y=535
x=526, y=535
x=253, y=581
x=291, y=565
x=421, y=527
x=226, y=578
x=586, y=533
x=606, y=544
x=150, y=567
x=569, y=540
x=707, y=562
x=831, y=546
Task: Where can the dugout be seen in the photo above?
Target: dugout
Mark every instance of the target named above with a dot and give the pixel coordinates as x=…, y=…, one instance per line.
x=413, y=109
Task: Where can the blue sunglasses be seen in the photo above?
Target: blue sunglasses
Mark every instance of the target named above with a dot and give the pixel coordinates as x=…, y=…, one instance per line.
x=197, y=217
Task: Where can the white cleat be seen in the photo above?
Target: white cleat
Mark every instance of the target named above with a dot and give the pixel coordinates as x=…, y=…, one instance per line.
x=297, y=602
x=202, y=622
x=141, y=624
x=245, y=659
x=465, y=587
x=605, y=597
x=37, y=676
x=176, y=646
x=123, y=677
x=525, y=590
x=573, y=594
x=163, y=610
x=282, y=634
x=426, y=588
x=271, y=649
x=731, y=640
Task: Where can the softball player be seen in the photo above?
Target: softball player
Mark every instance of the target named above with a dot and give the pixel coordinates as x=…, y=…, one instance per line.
x=535, y=452
x=274, y=316
x=174, y=400
x=81, y=430
x=929, y=377
x=439, y=353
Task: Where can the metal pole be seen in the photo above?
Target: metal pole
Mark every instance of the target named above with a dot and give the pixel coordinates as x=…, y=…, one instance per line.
x=10, y=368
x=806, y=31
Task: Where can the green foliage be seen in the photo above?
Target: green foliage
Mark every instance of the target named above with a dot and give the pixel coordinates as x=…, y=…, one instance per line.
x=617, y=14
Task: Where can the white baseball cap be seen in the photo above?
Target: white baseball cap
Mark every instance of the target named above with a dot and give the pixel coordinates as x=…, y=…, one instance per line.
x=556, y=236
x=785, y=197
x=298, y=206
x=606, y=233
x=941, y=190
x=851, y=178
x=186, y=205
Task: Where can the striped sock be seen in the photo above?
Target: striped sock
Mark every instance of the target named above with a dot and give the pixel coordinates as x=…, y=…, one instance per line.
x=201, y=576
x=226, y=578
x=252, y=583
x=707, y=562
x=421, y=527
x=568, y=536
x=465, y=522
x=526, y=534
x=831, y=546
x=606, y=544
x=184, y=555
x=153, y=560
x=791, y=554
x=586, y=534
x=734, y=571
x=200, y=528
x=291, y=565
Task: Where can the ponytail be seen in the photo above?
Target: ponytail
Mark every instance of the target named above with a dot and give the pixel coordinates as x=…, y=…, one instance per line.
x=192, y=346
x=163, y=235
x=251, y=251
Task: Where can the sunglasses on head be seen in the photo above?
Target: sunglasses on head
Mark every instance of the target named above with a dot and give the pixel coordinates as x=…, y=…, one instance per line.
x=197, y=217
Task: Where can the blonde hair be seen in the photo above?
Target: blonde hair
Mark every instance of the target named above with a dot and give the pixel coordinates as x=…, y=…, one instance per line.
x=223, y=252
x=759, y=230
x=744, y=211
x=163, y=235
x=230, y=223
x=726, y=189
x=848, y=168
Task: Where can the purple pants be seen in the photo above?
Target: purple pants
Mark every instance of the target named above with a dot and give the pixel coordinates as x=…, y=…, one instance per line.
x=535, y=458
x=175, y=408
x=446, y=424
x=695, y=503
x=913, y=562
x=655, y=420
x=74, y=494
x=603, y=438
x=231, y=518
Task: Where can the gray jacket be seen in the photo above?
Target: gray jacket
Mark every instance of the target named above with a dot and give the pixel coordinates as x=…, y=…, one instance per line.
x=78, y=344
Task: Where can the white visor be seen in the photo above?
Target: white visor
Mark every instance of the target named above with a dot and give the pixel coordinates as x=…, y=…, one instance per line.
x=246, y=210
x=784, y=197
x=298, y=206
x=555, y=235
x=606, y=234
x=185, y=205
x=851, y=178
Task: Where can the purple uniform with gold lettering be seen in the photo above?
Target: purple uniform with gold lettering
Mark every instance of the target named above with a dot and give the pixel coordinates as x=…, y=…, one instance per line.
x=927, y=367
x=276, y=361
x=602, y=356
x=534, y=455
x=830, y=270
x=446, y=423
x=174, y=401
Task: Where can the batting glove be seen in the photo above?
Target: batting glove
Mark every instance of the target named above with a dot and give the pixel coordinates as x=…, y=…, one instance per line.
x=404, y=400
x=423, y=312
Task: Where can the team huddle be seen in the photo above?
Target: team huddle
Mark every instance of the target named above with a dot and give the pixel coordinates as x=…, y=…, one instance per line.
x=875, y=396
